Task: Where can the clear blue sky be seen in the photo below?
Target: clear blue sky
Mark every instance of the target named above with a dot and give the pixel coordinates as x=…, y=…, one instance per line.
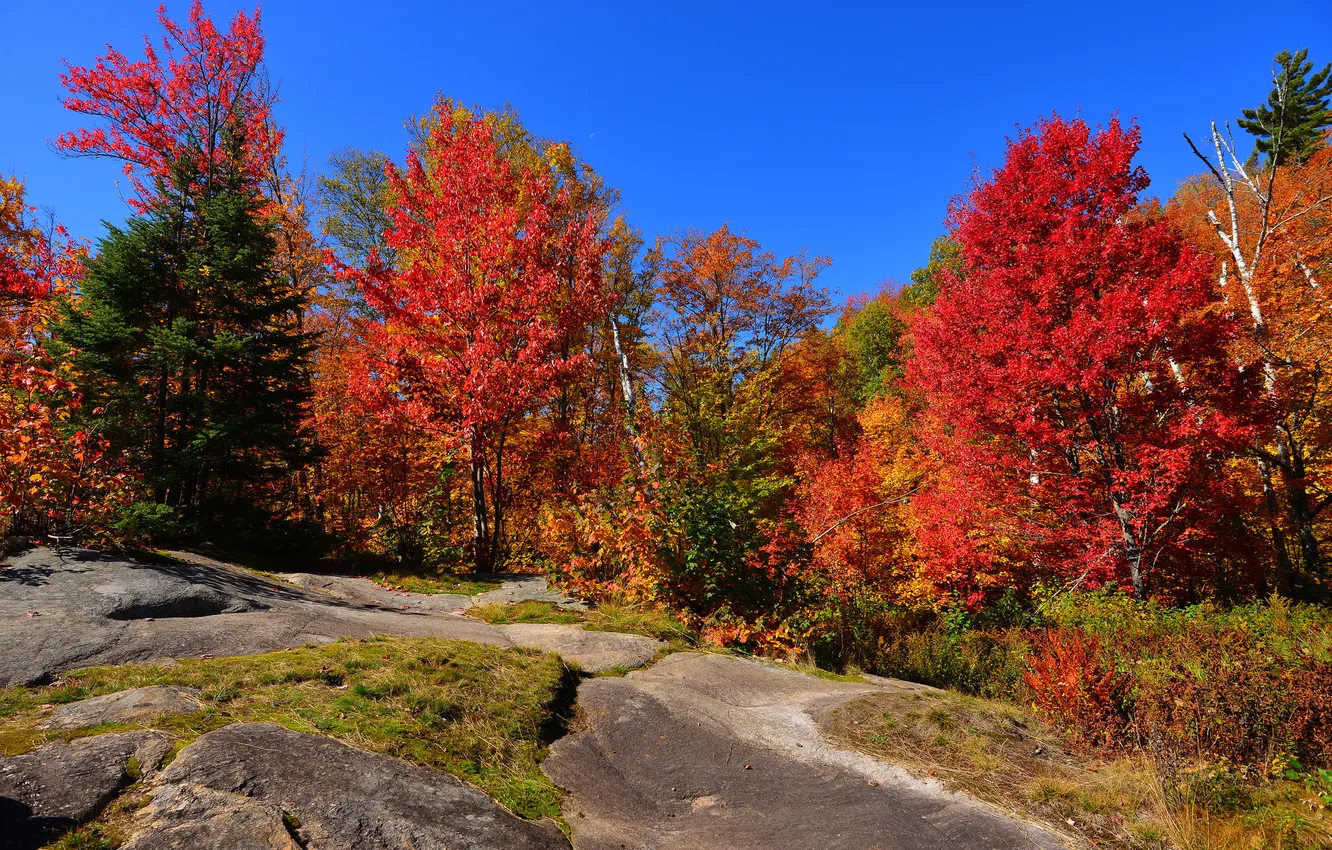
x=843, y=130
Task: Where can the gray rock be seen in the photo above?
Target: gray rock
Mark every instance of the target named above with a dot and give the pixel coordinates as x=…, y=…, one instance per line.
x=592, y=652
x=136, y=705
x=702, y=752
x=185, y=817
x=57, y=786
x=339, y=795
x=528, y=588
x=64, y=610
x=365, y=592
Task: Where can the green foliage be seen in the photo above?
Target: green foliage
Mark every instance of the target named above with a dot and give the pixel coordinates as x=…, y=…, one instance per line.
x=193, y=360
x=1289, y=127
x=717, y=545
x=355, y=197
x=926, y=282
x=874, y=339
x=149, y=521
x=984, y=663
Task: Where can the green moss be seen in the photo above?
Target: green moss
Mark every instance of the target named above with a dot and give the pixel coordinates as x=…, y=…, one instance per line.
x=426, y=580
x=609, y=617
x=474, y=711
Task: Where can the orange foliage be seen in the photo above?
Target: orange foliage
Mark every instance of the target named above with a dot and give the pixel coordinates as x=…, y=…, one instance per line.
x=51, y=480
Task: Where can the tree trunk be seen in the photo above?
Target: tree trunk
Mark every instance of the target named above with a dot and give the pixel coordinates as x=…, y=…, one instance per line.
x=480, y=521
x=1302, y=514
x=1285, y=570
x=497, y=498
x=629, y=396
x=1132, y=551
x=159, y=439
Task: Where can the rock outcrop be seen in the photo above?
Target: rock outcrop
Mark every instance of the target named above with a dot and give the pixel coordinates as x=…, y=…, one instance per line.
x=702, y=752
x=260, y=785
x=60, y=785
x=60, y=611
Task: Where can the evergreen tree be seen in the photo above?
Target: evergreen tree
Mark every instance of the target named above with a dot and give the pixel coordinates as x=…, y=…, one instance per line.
x=1289, y=127
x=193, y=359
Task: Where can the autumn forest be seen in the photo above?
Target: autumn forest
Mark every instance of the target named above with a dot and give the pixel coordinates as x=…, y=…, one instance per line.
x=1083, y=455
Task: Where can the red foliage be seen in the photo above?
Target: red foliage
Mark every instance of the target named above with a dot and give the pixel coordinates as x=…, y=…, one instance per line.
x=1080, y=395
x=1069, y=681
x=497, y=272
x=49, y=478
x=1222, y=695
x=199, y=106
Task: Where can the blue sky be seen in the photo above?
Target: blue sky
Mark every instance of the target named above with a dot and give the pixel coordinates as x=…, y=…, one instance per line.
x=841, y=130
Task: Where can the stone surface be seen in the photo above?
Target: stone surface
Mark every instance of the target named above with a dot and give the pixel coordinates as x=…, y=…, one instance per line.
x=363, y=591
x=702, y=752
x=592, y=652
x=60, y=785
x=136, y=705
x=238, y=781
x=528, y=588
x=181, y=817
x=76, y=608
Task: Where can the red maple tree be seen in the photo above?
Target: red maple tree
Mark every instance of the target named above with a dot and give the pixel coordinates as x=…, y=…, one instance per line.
x=1077, y=378
x=497, y=270
x=200, y=107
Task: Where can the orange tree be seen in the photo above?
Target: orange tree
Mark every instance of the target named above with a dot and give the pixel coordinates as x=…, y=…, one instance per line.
x=1268, y=232
x=55, y=478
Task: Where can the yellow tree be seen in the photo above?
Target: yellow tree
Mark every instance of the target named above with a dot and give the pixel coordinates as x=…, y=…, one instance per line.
x=1270, y=229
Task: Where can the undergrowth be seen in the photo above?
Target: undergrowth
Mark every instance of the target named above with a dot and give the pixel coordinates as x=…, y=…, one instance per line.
x=1000, y=753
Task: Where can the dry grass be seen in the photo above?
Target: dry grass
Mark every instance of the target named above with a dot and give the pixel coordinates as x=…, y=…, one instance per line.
x=426, y=580
x=998, y=753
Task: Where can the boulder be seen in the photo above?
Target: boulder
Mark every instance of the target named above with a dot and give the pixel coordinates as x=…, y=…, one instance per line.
x=190, y=816
x=57, y=786
x=592, y=652
x=136, y=705
x=328, y=794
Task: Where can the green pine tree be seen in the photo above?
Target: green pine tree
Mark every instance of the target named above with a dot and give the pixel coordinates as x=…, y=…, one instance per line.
x=193, y=359
x=1289, y=127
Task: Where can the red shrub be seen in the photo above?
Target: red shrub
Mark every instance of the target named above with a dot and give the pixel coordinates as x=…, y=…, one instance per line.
x=1070, y=682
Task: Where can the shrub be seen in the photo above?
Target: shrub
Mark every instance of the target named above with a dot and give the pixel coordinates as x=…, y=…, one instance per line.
x=1070, y=680
x=986, y=663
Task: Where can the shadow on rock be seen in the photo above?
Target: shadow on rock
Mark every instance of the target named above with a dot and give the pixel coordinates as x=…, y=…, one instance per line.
x=20, y=829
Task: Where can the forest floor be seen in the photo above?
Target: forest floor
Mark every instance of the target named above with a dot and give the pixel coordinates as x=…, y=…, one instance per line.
x=694, y=750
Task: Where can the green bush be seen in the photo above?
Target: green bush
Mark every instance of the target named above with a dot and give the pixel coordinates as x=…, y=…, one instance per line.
x=987, y=663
